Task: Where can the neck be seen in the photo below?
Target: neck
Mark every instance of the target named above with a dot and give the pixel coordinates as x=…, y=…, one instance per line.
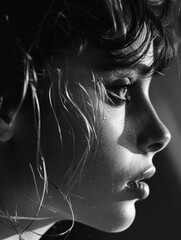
x=35, y=230
x=26, y=224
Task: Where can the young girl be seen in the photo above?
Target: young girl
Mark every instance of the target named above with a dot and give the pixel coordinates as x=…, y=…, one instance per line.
x=77, y=128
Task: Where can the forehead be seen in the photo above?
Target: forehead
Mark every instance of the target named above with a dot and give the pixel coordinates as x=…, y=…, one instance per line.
x=96, y=57
x=110, y=56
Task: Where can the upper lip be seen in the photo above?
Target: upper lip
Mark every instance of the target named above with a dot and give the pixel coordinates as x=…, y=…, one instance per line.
x=145, y=174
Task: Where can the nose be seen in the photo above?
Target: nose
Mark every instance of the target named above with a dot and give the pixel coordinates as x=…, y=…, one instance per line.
x=153, y=135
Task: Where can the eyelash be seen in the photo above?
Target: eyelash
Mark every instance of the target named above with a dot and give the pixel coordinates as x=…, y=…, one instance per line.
x=114, y=92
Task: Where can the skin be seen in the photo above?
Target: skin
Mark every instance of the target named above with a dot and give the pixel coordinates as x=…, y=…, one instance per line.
x=130, y=134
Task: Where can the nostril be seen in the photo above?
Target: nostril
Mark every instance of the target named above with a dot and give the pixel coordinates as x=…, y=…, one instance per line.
x=153, y=141
x=155, y=147
x=162, y=143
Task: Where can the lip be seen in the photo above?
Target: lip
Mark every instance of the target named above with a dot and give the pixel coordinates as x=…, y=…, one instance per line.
x=138, y=189
x=145, y=174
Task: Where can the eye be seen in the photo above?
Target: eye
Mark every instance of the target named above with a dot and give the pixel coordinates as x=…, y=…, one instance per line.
x=118, y=93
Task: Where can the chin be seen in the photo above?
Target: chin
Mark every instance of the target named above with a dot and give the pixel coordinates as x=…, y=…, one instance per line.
x=120, y=217
x=113, y=219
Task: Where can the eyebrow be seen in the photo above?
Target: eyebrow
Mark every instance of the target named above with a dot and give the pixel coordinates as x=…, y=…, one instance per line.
x=142, y=69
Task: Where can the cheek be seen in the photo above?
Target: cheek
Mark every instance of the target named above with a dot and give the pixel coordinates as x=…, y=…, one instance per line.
x=107, y=127
x=104, y=177
x=94, y=150
x=111, y=131
x=96, y=200
x=106, y=159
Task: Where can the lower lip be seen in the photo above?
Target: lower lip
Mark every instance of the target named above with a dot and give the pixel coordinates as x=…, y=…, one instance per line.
x=138, y=190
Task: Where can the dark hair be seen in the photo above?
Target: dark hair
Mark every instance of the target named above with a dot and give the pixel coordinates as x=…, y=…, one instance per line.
x=109, y=25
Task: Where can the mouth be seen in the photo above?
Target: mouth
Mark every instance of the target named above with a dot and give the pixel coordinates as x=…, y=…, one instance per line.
x=137, y=187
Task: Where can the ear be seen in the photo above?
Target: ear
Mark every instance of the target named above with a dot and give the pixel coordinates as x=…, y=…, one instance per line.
x=6, y=131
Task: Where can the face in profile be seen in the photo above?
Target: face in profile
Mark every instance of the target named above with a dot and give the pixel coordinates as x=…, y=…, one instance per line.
x=97, y=147
x=128, y=133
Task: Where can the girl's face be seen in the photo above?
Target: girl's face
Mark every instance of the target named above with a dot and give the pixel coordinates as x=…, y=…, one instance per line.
x=127, y=134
